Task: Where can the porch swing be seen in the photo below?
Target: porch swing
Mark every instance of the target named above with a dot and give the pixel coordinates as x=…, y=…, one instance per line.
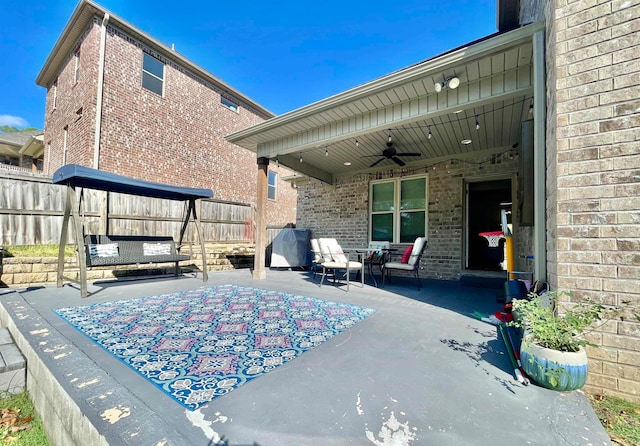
x=112, y=250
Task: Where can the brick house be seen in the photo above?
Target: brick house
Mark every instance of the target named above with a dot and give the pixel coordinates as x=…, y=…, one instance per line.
x=540, y=120
x=120, y=101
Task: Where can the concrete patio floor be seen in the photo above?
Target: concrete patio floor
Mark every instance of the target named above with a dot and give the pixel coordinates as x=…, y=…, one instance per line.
x=420, y=371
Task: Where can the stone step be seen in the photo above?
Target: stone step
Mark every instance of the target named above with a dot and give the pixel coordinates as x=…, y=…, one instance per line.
x=13, y=372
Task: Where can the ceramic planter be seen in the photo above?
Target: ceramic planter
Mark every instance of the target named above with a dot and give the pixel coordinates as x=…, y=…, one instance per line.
x=554, y=369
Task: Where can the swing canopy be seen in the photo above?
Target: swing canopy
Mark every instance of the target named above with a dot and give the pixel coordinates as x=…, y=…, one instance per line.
x=80, y=176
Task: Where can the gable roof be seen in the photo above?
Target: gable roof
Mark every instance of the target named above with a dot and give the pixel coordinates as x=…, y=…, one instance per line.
x=80, y=21
x=346, y=133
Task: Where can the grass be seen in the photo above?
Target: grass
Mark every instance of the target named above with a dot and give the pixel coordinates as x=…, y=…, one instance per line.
x=38, y=251
x=20, y=425
x=620, y=418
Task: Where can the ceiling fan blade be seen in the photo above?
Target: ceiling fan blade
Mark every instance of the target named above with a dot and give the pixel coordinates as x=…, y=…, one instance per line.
x=379, y=161
x=398, y=161
x=409, y=154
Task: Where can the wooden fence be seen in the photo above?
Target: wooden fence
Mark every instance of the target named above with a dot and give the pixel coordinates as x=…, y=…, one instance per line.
x=31, y=211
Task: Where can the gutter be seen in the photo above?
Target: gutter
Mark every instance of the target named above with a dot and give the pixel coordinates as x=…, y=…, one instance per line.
x=100, y=92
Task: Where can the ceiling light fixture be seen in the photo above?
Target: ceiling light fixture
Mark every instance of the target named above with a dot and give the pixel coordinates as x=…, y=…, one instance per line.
x=429, y=135
x=465, y=142
x=326, y=151
x=477, y=124
x=300, y=156
x=452, y=82
x=347, y=163
x=531, y=108
x=357, y=143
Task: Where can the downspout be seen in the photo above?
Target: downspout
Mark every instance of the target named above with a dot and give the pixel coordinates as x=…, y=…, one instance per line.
x=96, y=135
x=539, y=158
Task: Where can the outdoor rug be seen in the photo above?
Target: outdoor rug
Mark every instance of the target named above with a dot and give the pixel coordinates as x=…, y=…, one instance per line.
x=201, y=344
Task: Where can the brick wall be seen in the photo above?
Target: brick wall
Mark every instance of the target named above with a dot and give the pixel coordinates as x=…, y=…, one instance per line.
x=594, y=81
x=176, y=138
x=342, y=210
x=72, y=97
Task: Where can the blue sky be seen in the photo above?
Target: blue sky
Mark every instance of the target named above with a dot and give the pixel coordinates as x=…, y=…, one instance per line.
x=284, y=55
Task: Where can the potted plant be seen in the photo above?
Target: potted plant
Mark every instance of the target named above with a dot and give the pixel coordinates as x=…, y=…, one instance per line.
x=552, y=351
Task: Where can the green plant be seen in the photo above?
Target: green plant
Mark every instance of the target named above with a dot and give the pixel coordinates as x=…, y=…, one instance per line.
x=20, y=425
x=620, y=418
x=38, y=251
x=564, y=332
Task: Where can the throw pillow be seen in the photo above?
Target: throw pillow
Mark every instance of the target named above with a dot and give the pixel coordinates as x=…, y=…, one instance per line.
x=407, y=254
x=103, y=250
x=156, y=249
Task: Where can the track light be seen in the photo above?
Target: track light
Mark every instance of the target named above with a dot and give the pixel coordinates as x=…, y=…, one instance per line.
x=452, y=82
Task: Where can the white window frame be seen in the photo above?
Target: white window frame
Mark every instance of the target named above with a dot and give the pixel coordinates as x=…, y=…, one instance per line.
x=396, y=205
x=148, y=73
x=272, y=187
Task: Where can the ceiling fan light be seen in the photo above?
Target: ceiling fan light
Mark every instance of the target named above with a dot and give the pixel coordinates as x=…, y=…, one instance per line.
x=453, y=83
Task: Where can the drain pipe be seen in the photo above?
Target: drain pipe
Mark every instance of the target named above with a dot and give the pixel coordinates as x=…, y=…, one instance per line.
x=96, y=135
x=539, y=159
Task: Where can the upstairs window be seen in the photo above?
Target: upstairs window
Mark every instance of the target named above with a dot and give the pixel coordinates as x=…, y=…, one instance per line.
x=229, y=104
x=399, y=210
x=271, y=188
x=152, y=74
x=76, y=57
x=55, y=93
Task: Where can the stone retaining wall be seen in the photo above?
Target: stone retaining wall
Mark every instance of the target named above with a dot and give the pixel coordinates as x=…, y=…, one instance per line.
x=30, y=271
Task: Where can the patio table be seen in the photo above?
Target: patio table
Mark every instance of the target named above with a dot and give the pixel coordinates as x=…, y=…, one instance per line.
x=370, y=261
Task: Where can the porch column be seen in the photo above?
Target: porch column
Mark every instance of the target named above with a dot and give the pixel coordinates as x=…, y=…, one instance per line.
x=259, y=271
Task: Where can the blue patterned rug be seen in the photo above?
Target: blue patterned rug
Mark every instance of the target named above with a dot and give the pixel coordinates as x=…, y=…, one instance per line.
x=199, y=345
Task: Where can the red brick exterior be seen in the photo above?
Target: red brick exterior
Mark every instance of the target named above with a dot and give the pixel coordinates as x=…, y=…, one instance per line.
x=177, y=138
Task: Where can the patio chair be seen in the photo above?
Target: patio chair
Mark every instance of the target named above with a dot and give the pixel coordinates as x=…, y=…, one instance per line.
x=334, y=258
x=410, y=261
x=316, y=257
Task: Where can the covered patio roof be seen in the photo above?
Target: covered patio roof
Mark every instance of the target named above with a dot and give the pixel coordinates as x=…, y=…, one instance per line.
x=347, y=132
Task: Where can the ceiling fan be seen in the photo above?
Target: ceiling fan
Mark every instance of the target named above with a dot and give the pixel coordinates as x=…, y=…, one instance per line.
x=390, y=153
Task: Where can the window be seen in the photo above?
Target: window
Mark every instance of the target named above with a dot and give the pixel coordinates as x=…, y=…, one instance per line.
x=76, y=56
x=271, y=187
x=55, y=93
x=152, y=74
x=64, y=145
x=229, y=104
x=399, y=209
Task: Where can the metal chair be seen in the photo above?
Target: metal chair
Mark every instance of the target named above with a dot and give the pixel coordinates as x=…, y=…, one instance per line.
x=334, y=258
x=412, y=264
